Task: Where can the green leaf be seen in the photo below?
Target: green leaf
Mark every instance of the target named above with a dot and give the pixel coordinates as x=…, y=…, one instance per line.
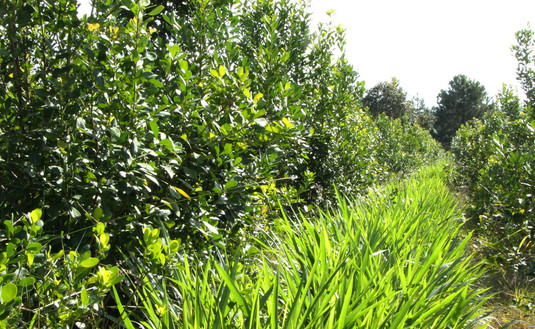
x=230, y=184
x=35, y=215
x=154, y=127
x=89, y=262
x=84, y=297
x=124, y=315
x=235, y=293
x=222, y=71
x=156, y=83
x=91, y=176
x=99, y=228
x=9, y=292
x=183, y=65
x=34, y=247
x=27, y=281
x=174, y=50
x=156, y=10
x=115, y=133
x=214, y=73
x=173, y=246
x=97, y=213
x=168, y=144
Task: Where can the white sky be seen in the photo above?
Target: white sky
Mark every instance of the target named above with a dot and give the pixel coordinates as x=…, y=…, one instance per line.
x=425, y=43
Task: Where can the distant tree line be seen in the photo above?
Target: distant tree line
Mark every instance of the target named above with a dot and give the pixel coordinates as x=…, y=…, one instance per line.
x=464, y=100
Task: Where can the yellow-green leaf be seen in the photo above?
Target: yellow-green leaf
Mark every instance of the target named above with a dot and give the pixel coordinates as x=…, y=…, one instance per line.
x=184, y=194
x=9, y=292
x=287, y=123
x=35, y=215
x=30, y=258
x=258, y=97
x=104, y=239
x=214, y=73
x=90, y=262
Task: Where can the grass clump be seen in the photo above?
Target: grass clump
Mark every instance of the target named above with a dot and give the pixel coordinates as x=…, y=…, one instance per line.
x=390, y=259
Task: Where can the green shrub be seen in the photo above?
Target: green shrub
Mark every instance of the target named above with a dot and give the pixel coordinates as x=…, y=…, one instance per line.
x=119, y=129
x=495, y=160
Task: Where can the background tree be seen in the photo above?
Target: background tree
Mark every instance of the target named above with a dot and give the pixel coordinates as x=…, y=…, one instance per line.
x=388, y=98
x=421, y=114
x=525, y=72
x=464, y=100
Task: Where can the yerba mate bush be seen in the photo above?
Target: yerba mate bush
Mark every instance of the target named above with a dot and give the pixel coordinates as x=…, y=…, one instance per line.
x=495, y=159
x=138, y=120
x=496, y=162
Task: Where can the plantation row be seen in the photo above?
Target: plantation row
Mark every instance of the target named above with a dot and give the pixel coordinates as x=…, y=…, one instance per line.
x=495, y=161
x=170, y=165
x=142, y=138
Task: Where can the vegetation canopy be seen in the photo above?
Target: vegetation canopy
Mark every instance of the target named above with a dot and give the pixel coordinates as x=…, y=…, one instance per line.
x=208, y=164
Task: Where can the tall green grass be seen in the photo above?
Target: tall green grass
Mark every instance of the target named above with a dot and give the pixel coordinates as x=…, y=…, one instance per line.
x=391, y=259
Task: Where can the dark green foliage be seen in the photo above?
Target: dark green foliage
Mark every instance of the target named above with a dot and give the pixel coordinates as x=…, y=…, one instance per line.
x=197, y=121
x=496, y=161
x=523, y=52
x=421, y=114
x=464, y=100
x=388, y=98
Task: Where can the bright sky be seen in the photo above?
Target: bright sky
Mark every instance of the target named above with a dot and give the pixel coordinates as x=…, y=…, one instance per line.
x=425, y=43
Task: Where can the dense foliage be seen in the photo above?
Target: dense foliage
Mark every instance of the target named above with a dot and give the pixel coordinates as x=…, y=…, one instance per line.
x=464, y=100
x=496, y=162
x=388, y=98
x=495, y=158
x=127, y=148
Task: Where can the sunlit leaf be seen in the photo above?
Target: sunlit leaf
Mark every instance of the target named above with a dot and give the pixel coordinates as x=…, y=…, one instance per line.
x=184, y=194
x=89, y=262
x=156, y=10
x=35, y=215
x=9, y=292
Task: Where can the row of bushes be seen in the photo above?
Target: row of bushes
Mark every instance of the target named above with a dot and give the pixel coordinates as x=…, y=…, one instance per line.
x=139, y=120
x=102, y=122
x=495, y=160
